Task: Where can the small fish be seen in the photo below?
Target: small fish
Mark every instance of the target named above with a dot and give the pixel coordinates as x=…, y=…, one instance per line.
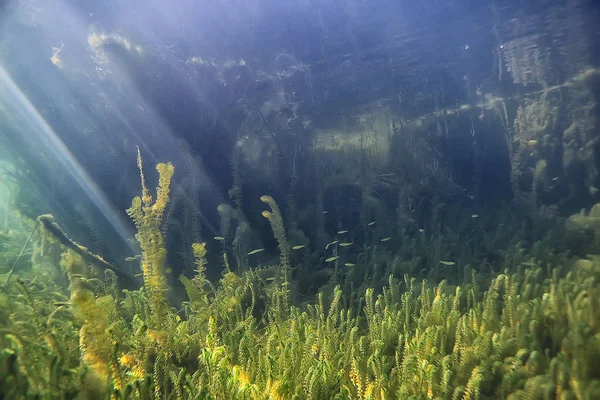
x=555, y=178
x=129, y=259
x=350, y=265
x=219, y=238
x=342, y=232
x=346, y=244
x=330, y=259
x=255, y=251
x=447, y=262
x=168, y=270
x=270, y=279
x=331, y=244
x=528, y=264
x=386, y=239
x=475, y=216
x=325, y=212
x=532, y=142
x=300, y=246
x=421, y=230
x=372, y=223
x=78, y=276
x=138, y=275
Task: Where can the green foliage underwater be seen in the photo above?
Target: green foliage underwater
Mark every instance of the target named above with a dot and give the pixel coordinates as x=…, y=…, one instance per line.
x=379, y=199
x=376, y=330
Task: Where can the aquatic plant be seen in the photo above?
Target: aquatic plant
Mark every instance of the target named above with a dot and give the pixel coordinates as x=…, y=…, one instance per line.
x=147, y=217
x=529, y=330
x=276, y=221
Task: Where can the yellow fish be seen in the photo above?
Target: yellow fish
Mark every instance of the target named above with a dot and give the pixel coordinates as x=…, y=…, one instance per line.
x=350, y=265
x=372, y=223
x=330, y=259
x=331, y=244
x=219, y=238
x=475, y=216
x=342, y=232
x=386, y=239
x=300, y=246
x=447, y=262
x=255, y=251
x=346, y=244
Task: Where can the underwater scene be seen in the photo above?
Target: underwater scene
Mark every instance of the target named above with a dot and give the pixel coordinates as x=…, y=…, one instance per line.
x=310, y=199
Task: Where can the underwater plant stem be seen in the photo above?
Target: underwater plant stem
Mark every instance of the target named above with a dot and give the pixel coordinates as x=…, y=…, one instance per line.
x=14, y=266
x=266, y=125
x=7, y=209
x=268, y=128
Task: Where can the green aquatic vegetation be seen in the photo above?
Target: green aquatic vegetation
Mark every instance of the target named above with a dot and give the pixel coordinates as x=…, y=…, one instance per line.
x=39, y=345
x=529, y=330
x=147, y=216
x=276, y=221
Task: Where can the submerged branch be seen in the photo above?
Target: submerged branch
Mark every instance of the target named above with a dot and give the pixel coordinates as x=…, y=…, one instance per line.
x=52, y=226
